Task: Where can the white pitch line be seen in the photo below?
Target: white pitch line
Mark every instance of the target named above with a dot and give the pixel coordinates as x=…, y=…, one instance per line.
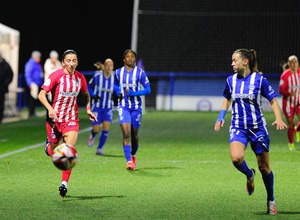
x=38, y=145
x=33, y=146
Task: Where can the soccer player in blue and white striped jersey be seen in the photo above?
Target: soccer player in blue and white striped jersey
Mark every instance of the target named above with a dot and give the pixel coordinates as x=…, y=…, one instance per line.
x=244, y=91
x=101, y=91
x=131, y=82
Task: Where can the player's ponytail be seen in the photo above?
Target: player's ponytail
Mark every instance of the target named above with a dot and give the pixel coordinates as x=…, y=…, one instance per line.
x=253, y=61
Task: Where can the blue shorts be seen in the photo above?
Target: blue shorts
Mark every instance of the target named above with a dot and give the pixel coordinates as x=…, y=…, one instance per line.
x=102, y=115
x=133, y=117
x=259, y=138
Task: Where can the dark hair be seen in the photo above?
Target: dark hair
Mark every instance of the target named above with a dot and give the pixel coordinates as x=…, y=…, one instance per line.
x=68, y=52
x=284, y=65
x=251, y=56
x=127, y=51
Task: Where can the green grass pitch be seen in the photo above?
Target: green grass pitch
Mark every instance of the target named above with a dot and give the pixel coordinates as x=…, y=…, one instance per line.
x=183, y=172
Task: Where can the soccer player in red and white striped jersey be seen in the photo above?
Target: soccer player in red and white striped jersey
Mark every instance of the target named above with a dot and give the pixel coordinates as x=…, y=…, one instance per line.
x=289, y=88
x=62, y=122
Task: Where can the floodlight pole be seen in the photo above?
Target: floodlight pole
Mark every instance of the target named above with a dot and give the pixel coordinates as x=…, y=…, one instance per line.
x=134, y=32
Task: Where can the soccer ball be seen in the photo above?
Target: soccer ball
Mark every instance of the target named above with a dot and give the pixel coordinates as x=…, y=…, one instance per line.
x=64, y=157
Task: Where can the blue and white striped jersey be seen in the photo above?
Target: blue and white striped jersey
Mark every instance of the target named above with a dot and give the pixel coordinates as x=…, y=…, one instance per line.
x=135, y=80
x=102, y=87
x=246, y=95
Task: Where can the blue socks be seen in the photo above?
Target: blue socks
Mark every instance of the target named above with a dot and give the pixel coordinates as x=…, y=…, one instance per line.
x=269, y=184
x=134, y=149
x=127, y=154
x=244, y=169
x=103, y=138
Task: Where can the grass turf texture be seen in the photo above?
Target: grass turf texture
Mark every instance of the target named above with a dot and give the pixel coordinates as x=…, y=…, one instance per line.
x=183, y=172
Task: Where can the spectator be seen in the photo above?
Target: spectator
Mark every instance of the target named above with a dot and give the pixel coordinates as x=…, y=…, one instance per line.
x=34, y=77
x=6, y=76
x=51, y=64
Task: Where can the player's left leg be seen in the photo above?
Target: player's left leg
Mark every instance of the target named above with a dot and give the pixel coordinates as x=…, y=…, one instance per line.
x=136, y=123
x=64, y=184
x=268, y=179
x=261, y=147
x=106, y=121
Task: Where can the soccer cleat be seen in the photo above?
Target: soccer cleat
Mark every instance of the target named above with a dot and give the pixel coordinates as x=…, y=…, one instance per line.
x=47, y=146
x=271, y=208
x=133, y=159
x=62, y=191
x=130, y=166
x=99, y=152
x=250, y=183
x=91, y=141
x=292, y=146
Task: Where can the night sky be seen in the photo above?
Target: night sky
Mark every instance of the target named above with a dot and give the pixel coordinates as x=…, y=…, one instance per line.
x=94, y=31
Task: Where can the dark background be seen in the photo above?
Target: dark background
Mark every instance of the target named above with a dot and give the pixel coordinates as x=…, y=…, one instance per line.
x=173, y=36
x=96, y=31
x=190, y=39
x=199, y=36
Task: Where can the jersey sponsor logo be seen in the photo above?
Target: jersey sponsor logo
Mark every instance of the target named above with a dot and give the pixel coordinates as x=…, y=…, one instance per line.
x=242, y=96
x=69, y=94
x=72, y=123
x=106, y=90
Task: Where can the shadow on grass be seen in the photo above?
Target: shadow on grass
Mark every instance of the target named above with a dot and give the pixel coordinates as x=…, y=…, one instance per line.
x=159, y=168
x=69, y=198
x=110, y=155
x=289, y=212
x=280, y=213
x=150, y=171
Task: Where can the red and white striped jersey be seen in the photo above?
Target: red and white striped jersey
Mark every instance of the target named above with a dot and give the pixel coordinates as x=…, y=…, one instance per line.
x=64, y=89
x=290, y=82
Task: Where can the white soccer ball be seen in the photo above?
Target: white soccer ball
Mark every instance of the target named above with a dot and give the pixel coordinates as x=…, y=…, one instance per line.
x=65, y=157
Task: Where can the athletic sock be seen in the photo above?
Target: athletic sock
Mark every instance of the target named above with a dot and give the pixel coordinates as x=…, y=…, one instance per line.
x=103, y=138
x=64, y=183
x=93, y=133
x=291, y=134
x=127, y=154
x=134, y=149
x=66, y=175
x=269, y=185
x=244, y=169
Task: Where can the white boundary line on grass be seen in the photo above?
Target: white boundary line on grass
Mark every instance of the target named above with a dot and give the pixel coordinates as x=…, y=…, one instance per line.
x=41, y=144
x=34, y=146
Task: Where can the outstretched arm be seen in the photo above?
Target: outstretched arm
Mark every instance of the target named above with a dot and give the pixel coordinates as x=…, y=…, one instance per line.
x=278, y=119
